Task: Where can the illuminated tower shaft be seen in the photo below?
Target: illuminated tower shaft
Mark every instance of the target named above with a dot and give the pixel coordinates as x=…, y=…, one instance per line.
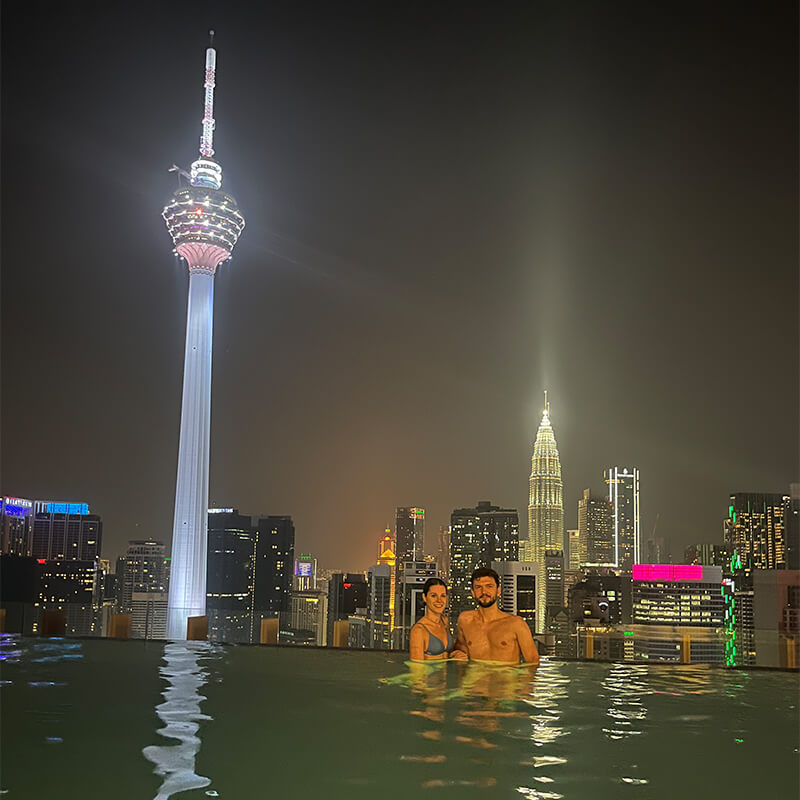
x=205, y=224
x=187, y=596
x=545, y=507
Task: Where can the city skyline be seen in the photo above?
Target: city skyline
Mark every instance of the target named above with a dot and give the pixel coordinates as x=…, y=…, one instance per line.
x=612, y=261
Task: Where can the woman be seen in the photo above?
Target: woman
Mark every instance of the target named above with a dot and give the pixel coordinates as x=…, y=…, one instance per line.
x=430, y=638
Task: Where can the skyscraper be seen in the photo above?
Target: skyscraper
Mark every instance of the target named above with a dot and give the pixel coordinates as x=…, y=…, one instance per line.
x=755, y=529
x=379, y=608
x=273, y=565
x=16, y=526
x=596, y=526
x=229, y=603
x=478, y=536
x=143, y=569
x=204, y=224
x=346, y=592
x=576, y=549
x=623, y=492
x=545, y=501
x=66, y=531
x=443, y=556
x=518, y=589
x=409, y=543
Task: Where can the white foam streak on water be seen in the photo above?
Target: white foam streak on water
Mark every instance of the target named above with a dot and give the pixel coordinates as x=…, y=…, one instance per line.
x=181, y=714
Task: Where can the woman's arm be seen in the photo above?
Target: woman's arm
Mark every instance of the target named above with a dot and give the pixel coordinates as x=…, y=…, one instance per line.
x=417, y=643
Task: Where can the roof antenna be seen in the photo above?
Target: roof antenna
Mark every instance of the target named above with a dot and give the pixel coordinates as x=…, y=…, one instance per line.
x=211, y=38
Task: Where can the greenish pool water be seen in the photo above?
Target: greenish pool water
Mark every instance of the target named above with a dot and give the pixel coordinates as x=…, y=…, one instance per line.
x=114, y=719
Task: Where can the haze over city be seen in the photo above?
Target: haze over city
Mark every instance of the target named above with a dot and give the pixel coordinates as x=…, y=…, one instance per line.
x=447, y=214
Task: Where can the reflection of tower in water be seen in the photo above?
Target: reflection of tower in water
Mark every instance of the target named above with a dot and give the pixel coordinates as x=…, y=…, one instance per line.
x=181, y=715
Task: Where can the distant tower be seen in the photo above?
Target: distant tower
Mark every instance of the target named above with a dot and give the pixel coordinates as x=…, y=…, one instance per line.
x=204, y=224
x=545, y=503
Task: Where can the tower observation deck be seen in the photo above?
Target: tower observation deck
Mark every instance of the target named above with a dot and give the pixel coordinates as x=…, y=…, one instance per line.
x=205, y=224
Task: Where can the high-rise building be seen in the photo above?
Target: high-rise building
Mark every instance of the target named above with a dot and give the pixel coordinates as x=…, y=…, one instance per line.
x=66, y=531
x=16, y=526
x=518, y=585
x=308, y=614
x=273, y=565
x=678, y=613
x=410, y=604
x=229, y=589
x=379, y=608
x=776, y=617
x=444, y=553
x=596, y=526
x=791, y=526
x=623, y=492
x=755, y=529
x=656, y=550
x=575, y=554
x=143, y=569
x=705, y=553
x=388, y=558
x=545, y=500
x=409, y=544
x=478, y=536
x=73, y=587
x=346, y=592
x=204, y=224
x=305, y=573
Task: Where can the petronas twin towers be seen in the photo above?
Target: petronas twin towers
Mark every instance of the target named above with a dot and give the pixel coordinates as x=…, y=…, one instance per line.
x=545, y=502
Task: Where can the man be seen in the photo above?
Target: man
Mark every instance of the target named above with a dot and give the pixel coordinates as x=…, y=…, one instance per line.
x=489, y=634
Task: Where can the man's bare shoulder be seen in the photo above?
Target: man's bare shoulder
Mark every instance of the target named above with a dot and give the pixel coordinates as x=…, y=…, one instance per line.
x=466, y=617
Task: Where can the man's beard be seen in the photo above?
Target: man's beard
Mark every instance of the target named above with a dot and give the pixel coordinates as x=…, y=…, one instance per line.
x=486, y=603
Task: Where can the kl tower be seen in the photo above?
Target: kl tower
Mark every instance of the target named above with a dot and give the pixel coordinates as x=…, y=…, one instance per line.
x=204, y=224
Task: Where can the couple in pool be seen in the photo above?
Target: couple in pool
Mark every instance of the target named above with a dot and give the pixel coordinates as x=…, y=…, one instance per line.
x=485, y=634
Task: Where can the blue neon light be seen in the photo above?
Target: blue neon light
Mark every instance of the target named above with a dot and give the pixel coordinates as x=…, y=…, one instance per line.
x=16, y=511
x=68, y=508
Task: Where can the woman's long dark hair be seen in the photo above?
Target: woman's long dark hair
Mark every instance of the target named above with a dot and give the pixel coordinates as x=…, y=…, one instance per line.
x=433, y=582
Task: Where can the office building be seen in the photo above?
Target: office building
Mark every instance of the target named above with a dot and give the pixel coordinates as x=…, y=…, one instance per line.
x=16, y=526
x=704, y=553
x=575, y=552
x=409, y=543
x=410, y=604
x=755, y=529
x=273, y=565
x=308, y=615
x=358, y=631
x=380, y=606
x=66, y=531
x=305, y=573
x=230, y=581
x=596, y=528
x=776, y=617
x=149, y=615
x=74, y=588
x=346, y=592
x=444, y=553
x=545, y=500
x=623, y=493
x=518, y=589
x=19, y=593
x=791, y=526
x=678, y=613
x=143, y=569
x=478, y=536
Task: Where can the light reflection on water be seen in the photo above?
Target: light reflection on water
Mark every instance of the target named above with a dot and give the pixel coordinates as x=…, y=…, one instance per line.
x=181, y=714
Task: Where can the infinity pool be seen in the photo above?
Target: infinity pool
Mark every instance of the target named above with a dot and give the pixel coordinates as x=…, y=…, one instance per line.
x=86, y=719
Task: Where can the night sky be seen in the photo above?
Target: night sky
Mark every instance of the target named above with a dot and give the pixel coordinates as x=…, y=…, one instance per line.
x=450, y=208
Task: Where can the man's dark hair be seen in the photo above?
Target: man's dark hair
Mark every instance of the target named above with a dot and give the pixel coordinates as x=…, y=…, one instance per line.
x=485, y=572
x=433, y=582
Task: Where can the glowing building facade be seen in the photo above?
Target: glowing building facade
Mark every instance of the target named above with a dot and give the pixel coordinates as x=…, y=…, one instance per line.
x=204, y=224
x=755, y=528
x=545, y=502
x=623, y=494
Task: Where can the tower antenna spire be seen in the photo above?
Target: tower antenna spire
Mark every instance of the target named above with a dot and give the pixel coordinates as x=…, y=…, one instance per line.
x=546, y=404
x=207, y=139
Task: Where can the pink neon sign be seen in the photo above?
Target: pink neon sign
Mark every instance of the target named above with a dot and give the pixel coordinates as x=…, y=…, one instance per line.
x=667, y=572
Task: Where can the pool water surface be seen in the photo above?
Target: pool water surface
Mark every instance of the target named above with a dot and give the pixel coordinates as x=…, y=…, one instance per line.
x=131, y=719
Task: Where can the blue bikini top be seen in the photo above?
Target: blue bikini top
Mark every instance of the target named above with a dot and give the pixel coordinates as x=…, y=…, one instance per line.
x=436, y=645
